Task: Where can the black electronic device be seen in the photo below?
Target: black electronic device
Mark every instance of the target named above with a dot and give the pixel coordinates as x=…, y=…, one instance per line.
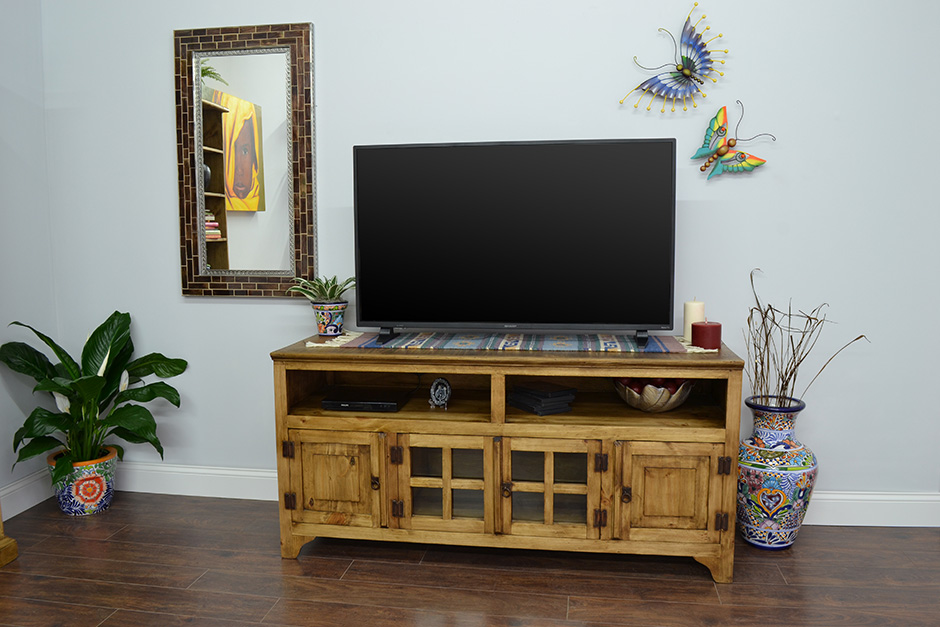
x=365, y=399
x=572, y=236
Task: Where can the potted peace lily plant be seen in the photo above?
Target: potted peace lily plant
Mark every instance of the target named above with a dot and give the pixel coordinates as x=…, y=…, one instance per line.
x=776, y=472
x=97, y=399
x=326, y=298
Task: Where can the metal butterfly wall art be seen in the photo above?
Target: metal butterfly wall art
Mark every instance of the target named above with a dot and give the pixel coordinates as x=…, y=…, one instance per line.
x=719, y=148
x=693, y=64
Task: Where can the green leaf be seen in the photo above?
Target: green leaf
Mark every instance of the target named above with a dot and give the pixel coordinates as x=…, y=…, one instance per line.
x=63, y=466
x=105, y=341
x=23, y=358
x=37, y=446
x=135, y=421
x=155, y=363
x=148, y=393
x=42, y=422
x=89, y=388
x=57, y=384
x=132, y=437
x=66, y=360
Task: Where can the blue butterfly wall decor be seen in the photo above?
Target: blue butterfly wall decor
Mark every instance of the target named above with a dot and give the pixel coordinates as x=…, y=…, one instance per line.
x=692, y=66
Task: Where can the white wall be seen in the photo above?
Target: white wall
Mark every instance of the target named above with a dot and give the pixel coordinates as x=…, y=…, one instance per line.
x=27, y=277
x=844, y=211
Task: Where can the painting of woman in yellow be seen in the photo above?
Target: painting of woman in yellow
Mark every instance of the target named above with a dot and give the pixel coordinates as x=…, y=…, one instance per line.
x=241, y=138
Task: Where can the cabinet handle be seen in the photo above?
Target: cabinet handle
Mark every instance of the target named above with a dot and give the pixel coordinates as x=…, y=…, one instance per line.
x=507, y=489
x=375, y=483
x=626, y=494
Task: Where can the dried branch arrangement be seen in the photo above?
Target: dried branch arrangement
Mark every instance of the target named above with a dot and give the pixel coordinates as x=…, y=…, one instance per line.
x=777, y=344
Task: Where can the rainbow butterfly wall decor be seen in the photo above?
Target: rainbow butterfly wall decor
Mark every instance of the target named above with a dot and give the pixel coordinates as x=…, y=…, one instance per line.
x=719, y=148
x=692, y=66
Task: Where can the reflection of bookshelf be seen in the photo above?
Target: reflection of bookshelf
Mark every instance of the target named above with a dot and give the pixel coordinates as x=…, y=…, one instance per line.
x=212, y=155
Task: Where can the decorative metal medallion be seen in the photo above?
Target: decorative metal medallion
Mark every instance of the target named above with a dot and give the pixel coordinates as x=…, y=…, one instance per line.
x=440, y=393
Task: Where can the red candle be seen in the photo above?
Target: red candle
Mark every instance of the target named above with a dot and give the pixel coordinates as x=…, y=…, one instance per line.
x=706, y=334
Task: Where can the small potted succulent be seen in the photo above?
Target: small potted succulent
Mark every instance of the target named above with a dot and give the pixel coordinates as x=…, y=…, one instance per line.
x=326, y=298
x=98, y=398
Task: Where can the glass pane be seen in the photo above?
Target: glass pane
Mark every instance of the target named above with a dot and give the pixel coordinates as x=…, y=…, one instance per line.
x=571, y=508
x=571, y=468
x=467, y=463
x=425, y=462
x=528, y=506
x=427, y=502
x=528, y=466
x=468, y=504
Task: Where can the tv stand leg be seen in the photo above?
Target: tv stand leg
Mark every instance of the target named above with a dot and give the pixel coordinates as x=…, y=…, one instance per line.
x=642, y=337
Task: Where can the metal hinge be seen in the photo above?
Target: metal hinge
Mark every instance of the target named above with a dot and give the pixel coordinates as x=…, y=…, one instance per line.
x=396, y=455
x=724, y=465
x=721, y=521
x=287, y=449
x=600, y=462
x=290, y=500
x=600, y=518
x=398, y=509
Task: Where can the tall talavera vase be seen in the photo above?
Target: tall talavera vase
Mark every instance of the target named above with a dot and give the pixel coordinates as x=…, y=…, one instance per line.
x=776, y=475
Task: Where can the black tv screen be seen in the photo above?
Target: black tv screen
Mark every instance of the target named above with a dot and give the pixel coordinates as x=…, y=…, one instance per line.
x=544, y=236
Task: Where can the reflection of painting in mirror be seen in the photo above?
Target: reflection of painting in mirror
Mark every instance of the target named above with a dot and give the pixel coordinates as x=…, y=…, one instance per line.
x=242, y=151
x=271, y=66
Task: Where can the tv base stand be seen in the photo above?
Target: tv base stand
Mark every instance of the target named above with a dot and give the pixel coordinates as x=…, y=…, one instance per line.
x=602, y=477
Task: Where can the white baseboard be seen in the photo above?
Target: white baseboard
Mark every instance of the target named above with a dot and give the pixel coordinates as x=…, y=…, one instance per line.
x=865, y=509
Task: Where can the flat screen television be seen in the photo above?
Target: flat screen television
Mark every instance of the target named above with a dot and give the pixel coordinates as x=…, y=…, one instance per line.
x=574, y=236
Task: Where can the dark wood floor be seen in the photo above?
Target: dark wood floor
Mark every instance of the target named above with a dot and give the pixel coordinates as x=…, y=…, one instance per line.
x=159, y=560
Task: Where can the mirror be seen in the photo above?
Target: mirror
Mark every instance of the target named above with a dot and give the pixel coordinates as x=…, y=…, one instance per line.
x=245, y=155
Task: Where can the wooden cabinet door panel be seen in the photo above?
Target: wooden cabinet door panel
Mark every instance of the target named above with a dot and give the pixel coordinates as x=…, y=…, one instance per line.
x=336, y=477
x=670, y=491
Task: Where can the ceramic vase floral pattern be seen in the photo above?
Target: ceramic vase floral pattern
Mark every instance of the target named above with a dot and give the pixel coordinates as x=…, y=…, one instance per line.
x=329, y=317
x=776, y=475
x=89, y=488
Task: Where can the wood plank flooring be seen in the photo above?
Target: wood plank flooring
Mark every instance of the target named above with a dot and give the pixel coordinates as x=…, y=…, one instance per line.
x=158, y=560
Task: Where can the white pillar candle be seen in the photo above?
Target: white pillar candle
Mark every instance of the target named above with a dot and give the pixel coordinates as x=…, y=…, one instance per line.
x=692, y=311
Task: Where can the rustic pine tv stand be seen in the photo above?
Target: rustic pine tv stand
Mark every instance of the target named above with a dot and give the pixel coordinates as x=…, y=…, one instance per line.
x=603, y=478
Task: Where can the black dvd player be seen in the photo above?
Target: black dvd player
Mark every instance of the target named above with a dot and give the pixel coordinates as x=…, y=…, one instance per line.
x=365, y=399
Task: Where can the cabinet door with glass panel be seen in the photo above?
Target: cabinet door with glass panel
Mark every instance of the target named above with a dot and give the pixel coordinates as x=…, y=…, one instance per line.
x=444, y=483
x=554, y=488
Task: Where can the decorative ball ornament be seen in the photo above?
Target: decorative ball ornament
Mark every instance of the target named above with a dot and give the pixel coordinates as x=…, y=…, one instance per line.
x=440, y=393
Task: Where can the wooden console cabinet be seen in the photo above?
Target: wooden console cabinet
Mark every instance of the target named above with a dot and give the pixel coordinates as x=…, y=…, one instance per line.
x=603, y=477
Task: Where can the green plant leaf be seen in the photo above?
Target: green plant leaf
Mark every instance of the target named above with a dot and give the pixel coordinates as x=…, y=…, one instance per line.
x=89, y=388
x=66, y=360
x=155, y=363
x=63, y=466
x=148, y=393
x=42, y=422
x=23, y=358
x=108, y=339
x=37, y=446
x=56, y=384
x=134, y=423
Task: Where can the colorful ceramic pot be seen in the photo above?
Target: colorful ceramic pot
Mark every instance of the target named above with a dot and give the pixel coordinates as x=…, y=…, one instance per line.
x=89, y=488
x=329, y=317
x=776, y=475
